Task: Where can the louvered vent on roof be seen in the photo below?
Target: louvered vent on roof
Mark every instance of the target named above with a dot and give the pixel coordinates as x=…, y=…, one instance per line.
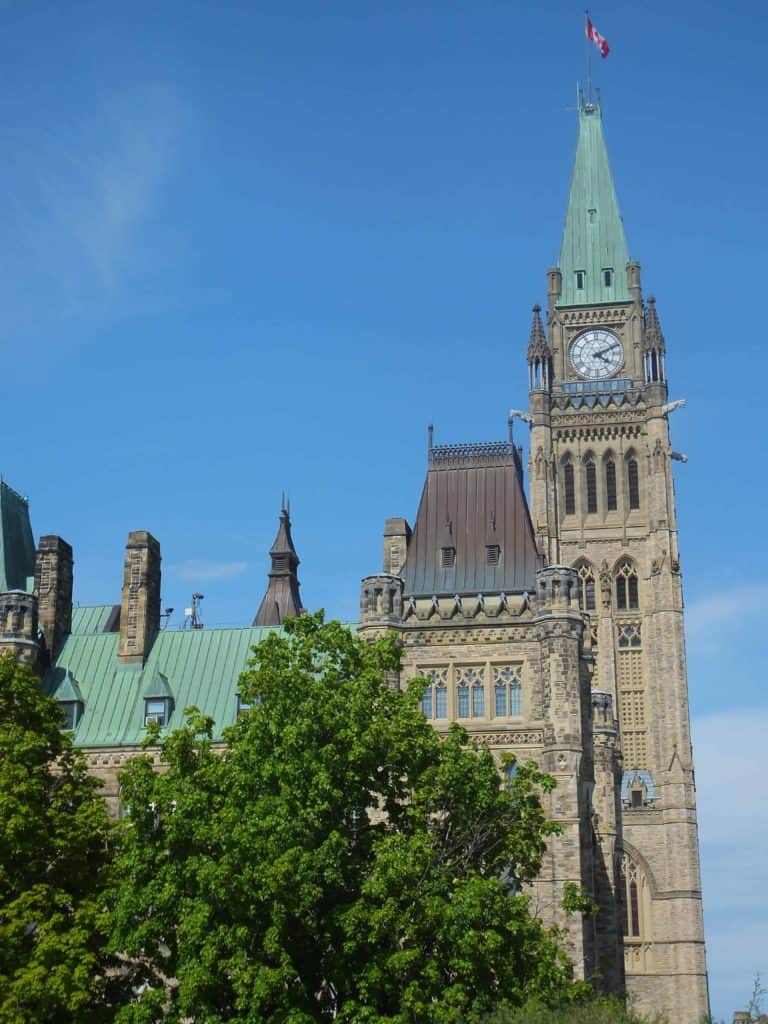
x=492, y=554
x=447, y=557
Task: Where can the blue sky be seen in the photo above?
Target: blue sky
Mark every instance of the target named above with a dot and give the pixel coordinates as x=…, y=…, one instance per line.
x=253, y=247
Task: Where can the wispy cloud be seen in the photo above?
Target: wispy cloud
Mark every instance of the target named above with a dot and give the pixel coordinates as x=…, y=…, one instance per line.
x=100, y=179
x=710, y=618
x=199, y=572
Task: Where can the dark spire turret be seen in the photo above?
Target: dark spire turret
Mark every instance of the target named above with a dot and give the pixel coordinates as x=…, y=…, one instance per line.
x=654, y=337
x=537, y=345
x=654, y=347
x=539, y=355
x=282, y=599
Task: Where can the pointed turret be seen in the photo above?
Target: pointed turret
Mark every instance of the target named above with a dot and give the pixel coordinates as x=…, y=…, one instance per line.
x=537, y=345
x=539, y=355
x=653, y=345
x=593, y=254
x=17, y=546
x=282, y=599
x=653, y=338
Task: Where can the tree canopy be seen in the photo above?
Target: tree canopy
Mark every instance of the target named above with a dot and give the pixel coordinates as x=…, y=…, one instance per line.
x=54, y=855
x=336, y=859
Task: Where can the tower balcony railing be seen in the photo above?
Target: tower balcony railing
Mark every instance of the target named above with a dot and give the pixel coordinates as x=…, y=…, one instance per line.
x=595, y=387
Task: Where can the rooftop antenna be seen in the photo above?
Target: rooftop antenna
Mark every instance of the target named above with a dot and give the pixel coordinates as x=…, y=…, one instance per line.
x=430, y=435
x=192, y=614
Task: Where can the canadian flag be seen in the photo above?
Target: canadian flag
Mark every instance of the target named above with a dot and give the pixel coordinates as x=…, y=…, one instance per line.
x=597, y=39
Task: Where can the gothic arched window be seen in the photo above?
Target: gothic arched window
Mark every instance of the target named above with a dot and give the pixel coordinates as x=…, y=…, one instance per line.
x=507, y=690
x=586, y=586
x=434, y=700
x=627, y=591
x=570, y=489
x=633, y=483
x=634, y=895
x=470, y=692
x=610, y=485
x=590, y=474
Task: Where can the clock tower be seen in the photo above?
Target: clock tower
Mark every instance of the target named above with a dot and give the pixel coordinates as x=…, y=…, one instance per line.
x=602, y=503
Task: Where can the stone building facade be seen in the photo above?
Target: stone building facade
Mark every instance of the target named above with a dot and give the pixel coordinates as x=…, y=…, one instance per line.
x=551, y=628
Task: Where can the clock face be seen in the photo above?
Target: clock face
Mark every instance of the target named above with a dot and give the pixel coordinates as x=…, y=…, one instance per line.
x=597, y=354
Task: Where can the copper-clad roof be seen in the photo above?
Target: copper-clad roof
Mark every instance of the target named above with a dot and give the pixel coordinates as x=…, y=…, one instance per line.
x=473, y=503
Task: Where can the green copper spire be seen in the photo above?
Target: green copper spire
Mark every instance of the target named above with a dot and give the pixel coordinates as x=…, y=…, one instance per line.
x=17, y=546
x=593, y=254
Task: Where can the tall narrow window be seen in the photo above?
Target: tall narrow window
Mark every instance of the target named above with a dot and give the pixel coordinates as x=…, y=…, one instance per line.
x=633, y=893
x=607, y=277
x=610, y=485
x=627, y=592
x=462, y=700
x=471, y=685
x=633, y=483
x=434, y=699
x=570, y=490
x=586, y=587
x=507, y=690
x=580, y=275
x=591, y=474
x=426, y=702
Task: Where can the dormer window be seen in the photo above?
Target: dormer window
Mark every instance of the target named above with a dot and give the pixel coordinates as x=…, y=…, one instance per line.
x=244, y=705
x=157, y=710
x=447, y=558
x=73, y=712
x=580, y=279
x=607, y=277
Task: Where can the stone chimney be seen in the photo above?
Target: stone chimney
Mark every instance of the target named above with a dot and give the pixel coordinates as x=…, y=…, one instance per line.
x=140, y=606
x=53, y=589
x=397, y=536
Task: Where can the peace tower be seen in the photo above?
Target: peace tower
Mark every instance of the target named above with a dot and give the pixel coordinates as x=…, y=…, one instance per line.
x=602, y=502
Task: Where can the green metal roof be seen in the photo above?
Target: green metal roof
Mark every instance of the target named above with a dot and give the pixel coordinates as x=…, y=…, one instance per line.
x=201, y=666
x=593, y=237
x=91, y=619
x=17, y=545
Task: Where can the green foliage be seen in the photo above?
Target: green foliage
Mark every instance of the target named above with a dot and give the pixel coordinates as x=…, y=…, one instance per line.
x=337, y=856
x=576, y=900
x=591, y=1010
x=54, y=849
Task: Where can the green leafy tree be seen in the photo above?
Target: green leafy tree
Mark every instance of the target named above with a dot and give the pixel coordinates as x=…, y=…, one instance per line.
x=337, y=859
x=54, y=852
x=590, y=1010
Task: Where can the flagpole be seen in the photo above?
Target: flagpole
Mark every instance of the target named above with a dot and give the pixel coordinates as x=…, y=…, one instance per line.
x=588, y=58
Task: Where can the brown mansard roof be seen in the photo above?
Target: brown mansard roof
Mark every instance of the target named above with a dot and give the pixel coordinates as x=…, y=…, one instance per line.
x=473, y=500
